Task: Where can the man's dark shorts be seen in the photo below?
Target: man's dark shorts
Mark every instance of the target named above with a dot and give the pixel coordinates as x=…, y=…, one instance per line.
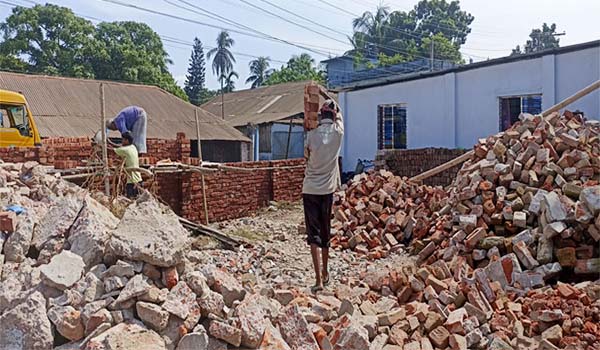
x=132, y=190
x=317, y=217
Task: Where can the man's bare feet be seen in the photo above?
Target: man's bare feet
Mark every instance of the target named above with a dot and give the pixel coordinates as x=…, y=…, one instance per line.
x=317, y=287
x=325, y=278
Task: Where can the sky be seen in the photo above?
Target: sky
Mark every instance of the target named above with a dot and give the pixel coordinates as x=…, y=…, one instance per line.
x=498, y=26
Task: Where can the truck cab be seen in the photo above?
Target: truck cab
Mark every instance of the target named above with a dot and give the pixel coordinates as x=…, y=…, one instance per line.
x=17, y=127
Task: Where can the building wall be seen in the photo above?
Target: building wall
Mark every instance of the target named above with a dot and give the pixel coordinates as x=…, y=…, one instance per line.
x=455, y=109
x=411, y=162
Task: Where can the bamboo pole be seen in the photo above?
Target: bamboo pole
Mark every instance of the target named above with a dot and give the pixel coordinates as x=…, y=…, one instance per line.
x=456, y=161
x=104, y=137
x=287, y=147
x=205, y=202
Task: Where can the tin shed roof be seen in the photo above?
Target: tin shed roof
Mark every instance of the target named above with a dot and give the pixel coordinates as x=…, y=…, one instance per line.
x=70, y=107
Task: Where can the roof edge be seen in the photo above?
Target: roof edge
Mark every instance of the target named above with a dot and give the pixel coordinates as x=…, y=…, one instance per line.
x=392, y=79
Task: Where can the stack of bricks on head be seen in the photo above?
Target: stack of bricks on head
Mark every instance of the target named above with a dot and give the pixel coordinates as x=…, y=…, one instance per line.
x=510, y=248
x=311, y=106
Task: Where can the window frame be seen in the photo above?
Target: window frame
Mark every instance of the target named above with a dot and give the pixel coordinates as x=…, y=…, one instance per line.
x=394, y=118
x=521, y=98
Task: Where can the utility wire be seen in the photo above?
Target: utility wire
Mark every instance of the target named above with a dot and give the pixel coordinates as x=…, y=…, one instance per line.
x=305, y=18
x=354, y=15
x=144, y=9
x=394, y=49
x=292, y=22
x=256, y=7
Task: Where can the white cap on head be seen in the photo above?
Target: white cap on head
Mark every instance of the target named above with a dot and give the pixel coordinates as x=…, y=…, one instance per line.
x=109, y=122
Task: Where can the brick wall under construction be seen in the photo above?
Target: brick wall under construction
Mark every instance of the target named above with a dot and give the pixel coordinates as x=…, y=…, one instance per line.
x=411, y=162
x=234, y=194
x=229, y=194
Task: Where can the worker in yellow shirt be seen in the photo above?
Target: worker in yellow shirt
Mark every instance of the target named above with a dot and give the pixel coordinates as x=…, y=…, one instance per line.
x=130, y=153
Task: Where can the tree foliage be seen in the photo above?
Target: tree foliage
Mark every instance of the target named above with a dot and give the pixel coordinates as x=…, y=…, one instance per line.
x=539, y=39
x=222, y=57
x=408, y=34
x=228, y=81
x=259, y=71
x=298, y=68
x=50, y=39
x=196, y=77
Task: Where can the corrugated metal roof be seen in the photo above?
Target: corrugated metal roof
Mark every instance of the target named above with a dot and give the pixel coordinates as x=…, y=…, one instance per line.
x=261, y=105
x=70, y=107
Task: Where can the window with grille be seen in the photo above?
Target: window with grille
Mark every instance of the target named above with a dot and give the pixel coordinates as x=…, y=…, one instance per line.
x=512, y=107
x=391, y=126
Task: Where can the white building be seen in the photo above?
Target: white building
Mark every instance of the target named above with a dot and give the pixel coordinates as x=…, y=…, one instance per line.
x=453, y=108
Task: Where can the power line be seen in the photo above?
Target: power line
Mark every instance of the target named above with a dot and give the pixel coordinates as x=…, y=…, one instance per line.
x=304, y=18
x=394, y=49
x=395, y=29
x=140, y=8
x=292, y=22
x=227, y=20
x=239, y=25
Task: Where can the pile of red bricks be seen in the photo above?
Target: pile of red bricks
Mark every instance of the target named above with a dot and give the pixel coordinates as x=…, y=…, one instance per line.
x=524, y=210
x=412, y=162
x=376, y=212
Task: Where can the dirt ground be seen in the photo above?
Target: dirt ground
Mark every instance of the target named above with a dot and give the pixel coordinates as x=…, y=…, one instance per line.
x=280, y=256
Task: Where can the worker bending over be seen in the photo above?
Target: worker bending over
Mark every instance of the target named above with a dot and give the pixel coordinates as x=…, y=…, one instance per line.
x=321, y=179
x=133, y=120
x=130, y=154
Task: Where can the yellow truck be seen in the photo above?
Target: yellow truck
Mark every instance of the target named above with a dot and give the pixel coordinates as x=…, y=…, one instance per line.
x=17, y=127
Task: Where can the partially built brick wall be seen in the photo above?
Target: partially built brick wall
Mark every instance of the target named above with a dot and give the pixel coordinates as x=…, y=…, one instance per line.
x=416, y=161
x=229, y=194
x=69, y=152
x=233, y=193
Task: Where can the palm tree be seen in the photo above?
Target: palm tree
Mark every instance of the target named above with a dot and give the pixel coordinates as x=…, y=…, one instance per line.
x=227, y=81
x=370, y=30
x=260, y=71
x=223, y=61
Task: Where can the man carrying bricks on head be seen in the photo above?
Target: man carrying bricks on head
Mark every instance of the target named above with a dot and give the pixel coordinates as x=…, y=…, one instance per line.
x=321, y=179
x=131, y=120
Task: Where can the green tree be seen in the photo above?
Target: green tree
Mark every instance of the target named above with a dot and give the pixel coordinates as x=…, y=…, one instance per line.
x=409, y=34
x=539, y=39
x=229, y=82
x=259, y=71
x=298, y=68
x=196, y=77
x=222, y=57
x=132, y=51
x=48, y=39
x=207, y=95
x=443, y=49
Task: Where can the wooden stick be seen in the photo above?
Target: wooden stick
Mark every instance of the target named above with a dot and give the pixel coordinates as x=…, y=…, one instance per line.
x=440, y=168
x=104, y=138
x=202, y=174
x=198, y=134
x=456, y=161
x=287, y=147
x=572, y=98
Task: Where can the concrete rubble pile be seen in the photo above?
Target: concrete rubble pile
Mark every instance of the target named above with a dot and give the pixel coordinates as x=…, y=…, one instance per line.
x=74, y=276
x=376, y=212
